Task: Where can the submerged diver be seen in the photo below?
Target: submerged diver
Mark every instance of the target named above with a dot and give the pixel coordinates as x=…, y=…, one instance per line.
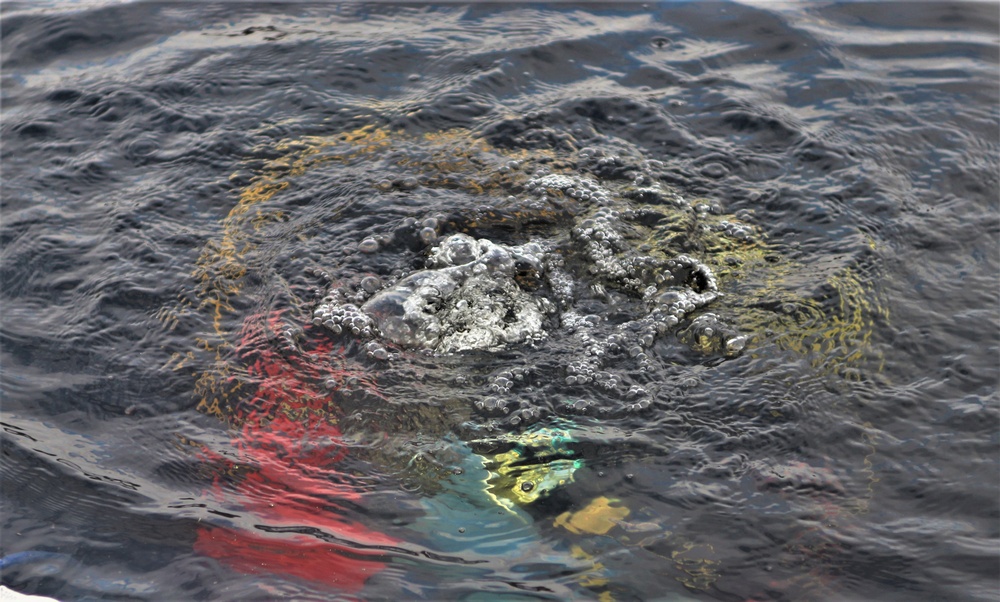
x=570, y=269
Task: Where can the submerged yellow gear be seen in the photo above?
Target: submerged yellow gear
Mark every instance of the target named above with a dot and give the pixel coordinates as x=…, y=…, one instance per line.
x=539, y=461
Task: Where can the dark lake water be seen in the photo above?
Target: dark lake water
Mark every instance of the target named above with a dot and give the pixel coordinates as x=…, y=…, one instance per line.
x=681, y=301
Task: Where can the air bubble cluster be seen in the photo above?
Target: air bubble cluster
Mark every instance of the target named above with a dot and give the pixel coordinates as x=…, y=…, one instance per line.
x=737, y=231
x=710, y=334
x=345, y=317
x=575, y=187
x=376, y=351
x=593, y=281
x=468, y=298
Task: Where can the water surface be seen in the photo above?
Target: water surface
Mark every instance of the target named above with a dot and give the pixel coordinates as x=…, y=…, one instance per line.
x=184, y=185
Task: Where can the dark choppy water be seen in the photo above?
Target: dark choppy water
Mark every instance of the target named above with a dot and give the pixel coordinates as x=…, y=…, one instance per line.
x=184, y=185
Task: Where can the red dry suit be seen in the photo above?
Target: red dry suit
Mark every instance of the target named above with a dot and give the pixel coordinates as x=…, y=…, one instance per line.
x=289, y=442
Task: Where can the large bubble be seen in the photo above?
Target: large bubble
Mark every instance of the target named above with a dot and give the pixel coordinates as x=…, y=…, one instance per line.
x=470, y=301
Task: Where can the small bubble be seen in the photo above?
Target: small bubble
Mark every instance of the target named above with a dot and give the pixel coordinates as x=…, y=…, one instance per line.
x=461, y=529
x=428, y=235
x=368, y=245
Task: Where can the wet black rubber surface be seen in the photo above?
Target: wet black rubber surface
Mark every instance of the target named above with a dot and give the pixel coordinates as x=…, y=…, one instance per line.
x=848, y=452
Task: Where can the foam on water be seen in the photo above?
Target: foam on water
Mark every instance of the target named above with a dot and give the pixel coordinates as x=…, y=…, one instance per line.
x=469, y=301
x=477, y=294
